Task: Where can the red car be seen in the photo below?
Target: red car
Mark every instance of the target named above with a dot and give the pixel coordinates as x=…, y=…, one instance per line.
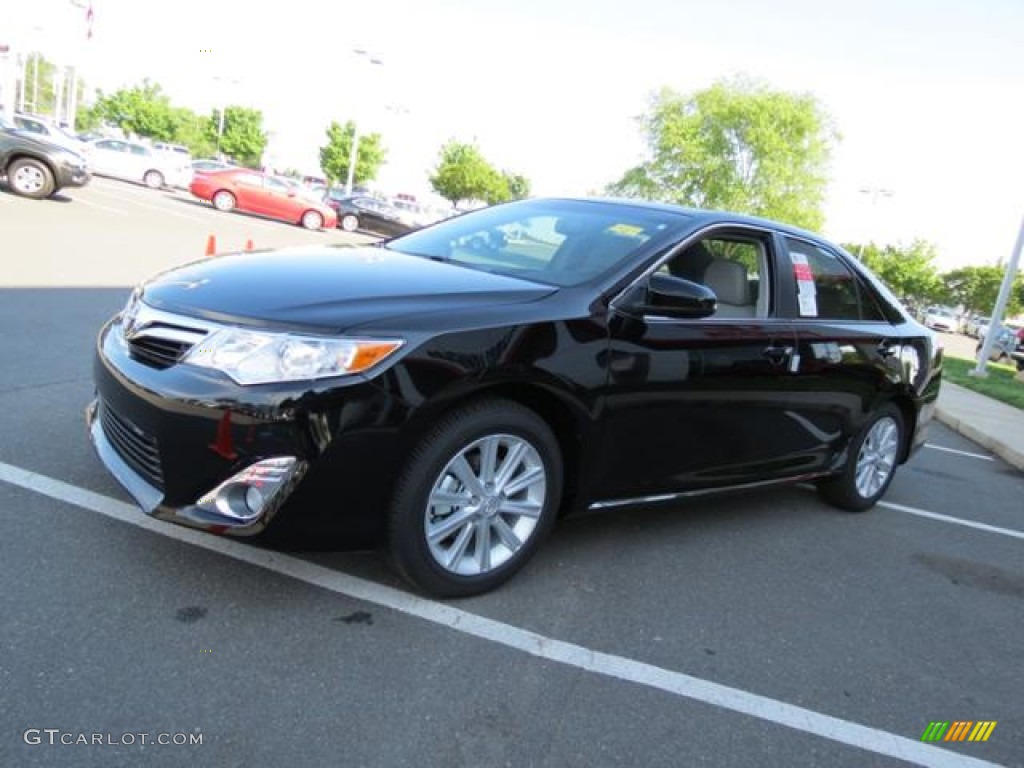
x=255, y=192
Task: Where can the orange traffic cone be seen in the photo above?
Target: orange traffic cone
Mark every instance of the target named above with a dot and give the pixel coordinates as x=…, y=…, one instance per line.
x=248, y=244
x=211, y=245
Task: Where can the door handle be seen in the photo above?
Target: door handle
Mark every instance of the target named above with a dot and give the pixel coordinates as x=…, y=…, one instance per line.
x=777, y=355
x=886, y=348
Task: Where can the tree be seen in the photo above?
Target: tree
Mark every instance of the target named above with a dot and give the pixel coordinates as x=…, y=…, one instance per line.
x=243, y=138
x=334, y=156
x=39, y=94
x=976, y=288
x=909, y=272
x=143, y=110
x=737, y=145
x=462, y=173
x=518, y=185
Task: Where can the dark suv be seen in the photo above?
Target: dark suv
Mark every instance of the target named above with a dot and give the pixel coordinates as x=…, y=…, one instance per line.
x=37, y=168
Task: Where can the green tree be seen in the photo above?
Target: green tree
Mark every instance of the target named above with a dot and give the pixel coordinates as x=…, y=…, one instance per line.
x=143, y=110
x=518, y=185
x=910, y=271
x=976, y=288
x=335, y=154
x=462, y=174
x=243, y=138
x=737, y=145
x=196, y=132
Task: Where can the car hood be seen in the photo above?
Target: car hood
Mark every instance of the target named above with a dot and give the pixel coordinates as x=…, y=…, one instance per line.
x=328, y=289
x=30, y=140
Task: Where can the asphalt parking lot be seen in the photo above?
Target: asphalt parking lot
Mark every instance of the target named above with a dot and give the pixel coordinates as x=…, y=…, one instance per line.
x=753, y=630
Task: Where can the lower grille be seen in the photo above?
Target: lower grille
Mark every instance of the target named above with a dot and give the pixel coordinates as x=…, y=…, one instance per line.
x=135, y=447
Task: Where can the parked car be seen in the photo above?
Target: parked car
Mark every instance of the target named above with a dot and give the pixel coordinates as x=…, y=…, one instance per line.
x=132, y=161
x=255, y=192
x=44, y=128
x=207, y=165
x=35, y=167
x=368, y=214
x=456, y=390
x=976, y=326
x=941, y=319
x=1007, y=347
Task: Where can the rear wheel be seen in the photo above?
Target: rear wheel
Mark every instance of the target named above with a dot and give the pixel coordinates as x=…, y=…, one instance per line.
x=870, y=465
x=30, y=178
x=224, y=201
x=475, y=499
x=349, y=222
x=312, y=220
x=153, y=179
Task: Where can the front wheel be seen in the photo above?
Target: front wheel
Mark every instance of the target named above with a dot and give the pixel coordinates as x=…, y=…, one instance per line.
x=312, y=220
x=475, y=499
x=870, y=464
x=349, y=222
x=30, y=178
x=153, y=179
x=224, y=201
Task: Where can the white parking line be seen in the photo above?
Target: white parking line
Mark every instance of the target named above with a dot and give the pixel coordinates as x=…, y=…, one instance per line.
x=161, y=209
x=981, y=456
x=1013, y=534
x=90, y=203
x=609, y=665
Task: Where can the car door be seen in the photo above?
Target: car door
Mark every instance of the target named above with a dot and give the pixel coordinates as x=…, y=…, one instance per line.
x=848, y=354
x=107, y=157
x=701, y=402
x=279, y=200
x=249, y=193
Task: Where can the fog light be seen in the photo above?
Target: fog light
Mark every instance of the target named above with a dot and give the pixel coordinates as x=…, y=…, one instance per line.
x=253, y=493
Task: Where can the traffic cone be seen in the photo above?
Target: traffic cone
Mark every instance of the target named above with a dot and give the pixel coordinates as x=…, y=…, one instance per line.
x=248, y=244
x=211, y=245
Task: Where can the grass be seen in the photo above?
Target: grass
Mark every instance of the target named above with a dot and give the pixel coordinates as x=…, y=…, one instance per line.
x=1000, y=384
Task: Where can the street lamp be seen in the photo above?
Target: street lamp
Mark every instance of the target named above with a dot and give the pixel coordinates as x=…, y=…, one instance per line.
x=223, y=107
x=353, y=155
x=875, y=193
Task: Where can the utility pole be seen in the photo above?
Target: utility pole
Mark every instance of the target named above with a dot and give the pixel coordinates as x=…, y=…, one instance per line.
x=981, y=371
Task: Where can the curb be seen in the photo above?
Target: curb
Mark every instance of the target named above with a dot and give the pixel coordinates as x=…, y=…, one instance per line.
x=1011, y=456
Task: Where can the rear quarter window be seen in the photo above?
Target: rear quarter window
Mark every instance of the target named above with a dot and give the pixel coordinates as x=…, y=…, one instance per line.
x=827, y=288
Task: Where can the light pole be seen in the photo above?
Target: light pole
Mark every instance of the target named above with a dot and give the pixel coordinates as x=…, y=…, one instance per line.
x=981, y=370
x=353, y=155
x=875, y=193
x=222, y=108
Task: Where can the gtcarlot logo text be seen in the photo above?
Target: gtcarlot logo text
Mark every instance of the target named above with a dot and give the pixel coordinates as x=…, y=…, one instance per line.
x=55, y=736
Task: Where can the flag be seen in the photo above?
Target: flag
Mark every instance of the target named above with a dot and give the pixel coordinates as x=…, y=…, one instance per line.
x=89, y=18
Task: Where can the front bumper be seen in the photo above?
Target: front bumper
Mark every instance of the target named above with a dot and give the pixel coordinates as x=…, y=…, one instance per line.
x=187, y=443
x=72, y=176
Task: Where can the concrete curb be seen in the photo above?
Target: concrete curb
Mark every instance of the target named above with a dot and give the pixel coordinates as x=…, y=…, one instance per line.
x=1007, y=453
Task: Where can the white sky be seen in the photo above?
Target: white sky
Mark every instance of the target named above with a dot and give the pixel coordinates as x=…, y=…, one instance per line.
x=927, y=94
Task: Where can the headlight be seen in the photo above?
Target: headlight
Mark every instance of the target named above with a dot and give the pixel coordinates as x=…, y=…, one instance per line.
x=251, y=357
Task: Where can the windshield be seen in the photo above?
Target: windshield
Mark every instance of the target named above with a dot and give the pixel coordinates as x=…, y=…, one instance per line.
x=563, y=242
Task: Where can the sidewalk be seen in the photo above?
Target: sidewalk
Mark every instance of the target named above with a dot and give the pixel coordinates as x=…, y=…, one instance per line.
x=989, y=423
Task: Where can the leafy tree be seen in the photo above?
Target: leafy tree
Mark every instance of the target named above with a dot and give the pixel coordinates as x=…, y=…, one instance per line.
x=143, y=110
x=243, y=138
x=194, y=131
x=976, y=288
x=462, y=173
x=737, y=145
x=334, y=156
x=518, y=185
x=909, y=271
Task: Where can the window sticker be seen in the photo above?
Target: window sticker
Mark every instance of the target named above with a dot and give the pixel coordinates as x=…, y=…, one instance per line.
x=807, y=292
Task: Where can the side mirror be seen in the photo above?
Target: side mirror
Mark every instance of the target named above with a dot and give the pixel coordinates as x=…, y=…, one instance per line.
x=670, y=296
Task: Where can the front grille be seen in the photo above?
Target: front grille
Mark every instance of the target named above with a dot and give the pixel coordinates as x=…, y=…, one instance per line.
x=134, y=446
x=158, y=352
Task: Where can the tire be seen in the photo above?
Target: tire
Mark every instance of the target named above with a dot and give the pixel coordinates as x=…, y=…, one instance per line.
x=312, y=220
x=349, y=222
x=452, y=532
x=153, y=179
x=871, y=463
x=224, y=201
x=30, y=178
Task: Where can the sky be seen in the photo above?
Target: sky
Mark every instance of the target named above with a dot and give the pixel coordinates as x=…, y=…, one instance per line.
x=926, y=96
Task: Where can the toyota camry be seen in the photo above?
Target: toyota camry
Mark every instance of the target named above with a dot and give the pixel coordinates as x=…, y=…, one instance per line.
x=457, y=389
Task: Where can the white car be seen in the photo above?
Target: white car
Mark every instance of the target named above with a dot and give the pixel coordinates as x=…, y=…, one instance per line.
x=940, y=319
x=41, y=128
x=136, y=162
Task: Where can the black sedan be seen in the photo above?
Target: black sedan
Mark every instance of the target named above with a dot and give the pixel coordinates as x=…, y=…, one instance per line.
x=459, y=388
x=368, y=214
